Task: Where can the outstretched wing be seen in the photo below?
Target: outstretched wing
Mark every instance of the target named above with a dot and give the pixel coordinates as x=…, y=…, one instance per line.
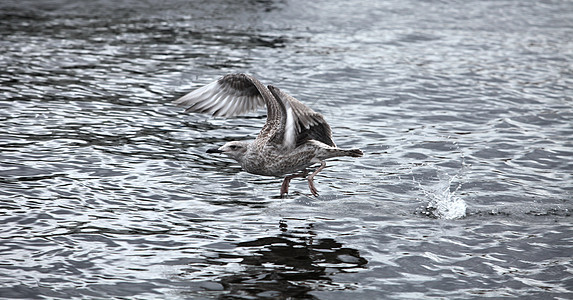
x=236, y=94
x=289, y=122
x=231, y=95
x=302, y=123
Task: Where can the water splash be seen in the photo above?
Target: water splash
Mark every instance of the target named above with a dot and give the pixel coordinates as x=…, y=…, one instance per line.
x=443, y=202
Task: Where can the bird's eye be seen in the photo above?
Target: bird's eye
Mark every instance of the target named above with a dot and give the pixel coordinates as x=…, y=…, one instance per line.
x=233, y=147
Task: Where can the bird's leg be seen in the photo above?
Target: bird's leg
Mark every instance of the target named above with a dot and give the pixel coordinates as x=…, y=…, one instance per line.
x=311, y=178
x=286, y=182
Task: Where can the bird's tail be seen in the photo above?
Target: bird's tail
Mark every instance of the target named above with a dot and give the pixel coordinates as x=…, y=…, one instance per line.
x=353, y=152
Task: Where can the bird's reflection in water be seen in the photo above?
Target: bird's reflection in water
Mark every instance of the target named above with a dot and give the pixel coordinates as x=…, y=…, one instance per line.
x=291, y=264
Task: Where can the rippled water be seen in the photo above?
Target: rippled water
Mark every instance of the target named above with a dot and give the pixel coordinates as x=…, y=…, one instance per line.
x=463, y=109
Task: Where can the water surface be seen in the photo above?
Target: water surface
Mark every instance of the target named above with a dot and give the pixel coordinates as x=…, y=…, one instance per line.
x=463, y=110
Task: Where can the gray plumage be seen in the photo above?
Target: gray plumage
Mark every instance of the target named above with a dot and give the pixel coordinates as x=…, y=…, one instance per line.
x=293, y=138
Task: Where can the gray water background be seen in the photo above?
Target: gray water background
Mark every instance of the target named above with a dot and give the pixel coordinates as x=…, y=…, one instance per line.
x=463, y=109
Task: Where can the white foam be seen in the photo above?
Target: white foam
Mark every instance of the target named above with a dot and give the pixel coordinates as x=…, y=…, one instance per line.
x=444, y=203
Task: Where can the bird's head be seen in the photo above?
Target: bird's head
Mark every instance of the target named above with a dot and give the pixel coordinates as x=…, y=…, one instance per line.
x=235, y=149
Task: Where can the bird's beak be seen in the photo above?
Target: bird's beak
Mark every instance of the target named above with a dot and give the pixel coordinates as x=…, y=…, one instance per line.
x=214, y=150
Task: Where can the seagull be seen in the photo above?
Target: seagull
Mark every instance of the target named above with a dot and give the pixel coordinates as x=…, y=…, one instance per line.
x=294, y=137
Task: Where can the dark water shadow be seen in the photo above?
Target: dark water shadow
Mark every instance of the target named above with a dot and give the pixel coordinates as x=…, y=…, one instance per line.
x=290, y=265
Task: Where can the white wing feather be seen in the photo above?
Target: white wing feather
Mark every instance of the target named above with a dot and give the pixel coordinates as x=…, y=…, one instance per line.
x=290, y=127
x=222, y=99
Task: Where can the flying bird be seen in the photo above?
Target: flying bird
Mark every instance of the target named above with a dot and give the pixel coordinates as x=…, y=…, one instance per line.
x=294, y=137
